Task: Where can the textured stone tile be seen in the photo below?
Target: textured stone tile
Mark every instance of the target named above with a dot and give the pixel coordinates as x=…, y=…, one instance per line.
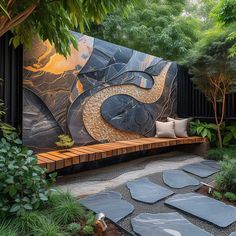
x=146, y=191
x=205, y=208
x=178, y=179
x=200, y=170
x=110, y=203
x=39, y=124
x=211, y=163
x=165, y=224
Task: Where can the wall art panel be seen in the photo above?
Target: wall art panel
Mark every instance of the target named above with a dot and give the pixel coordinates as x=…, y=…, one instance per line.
x=102, y=92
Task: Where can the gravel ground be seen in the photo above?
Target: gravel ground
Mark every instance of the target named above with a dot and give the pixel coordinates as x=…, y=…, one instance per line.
x=109, y=172
x=160, y=207
x=113, y=171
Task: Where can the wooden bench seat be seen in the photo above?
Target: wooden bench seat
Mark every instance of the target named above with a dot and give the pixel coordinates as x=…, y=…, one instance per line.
x=56, y=160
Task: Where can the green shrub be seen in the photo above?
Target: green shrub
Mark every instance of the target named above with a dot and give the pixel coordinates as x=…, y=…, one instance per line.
x=65, y=208
x=226, y=177
x=22, y=182
x=7, y=229
x=203, y=129
x=74, y=228
x=217, y=195
x=230, y=196
x=88, y=229
x=220, y=154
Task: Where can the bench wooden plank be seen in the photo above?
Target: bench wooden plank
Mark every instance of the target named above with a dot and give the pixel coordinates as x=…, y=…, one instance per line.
x=58, y=161
x=55, y=160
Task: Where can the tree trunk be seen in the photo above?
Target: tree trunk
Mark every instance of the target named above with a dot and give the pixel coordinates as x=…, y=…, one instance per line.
x=219, y=135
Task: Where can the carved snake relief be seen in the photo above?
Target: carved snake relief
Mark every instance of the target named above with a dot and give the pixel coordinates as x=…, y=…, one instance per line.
x=94, y=123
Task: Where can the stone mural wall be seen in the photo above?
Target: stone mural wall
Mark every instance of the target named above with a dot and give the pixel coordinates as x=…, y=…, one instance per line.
x=102, y=92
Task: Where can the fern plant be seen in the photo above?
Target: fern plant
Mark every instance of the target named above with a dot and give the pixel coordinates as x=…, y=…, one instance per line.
x=64, y=141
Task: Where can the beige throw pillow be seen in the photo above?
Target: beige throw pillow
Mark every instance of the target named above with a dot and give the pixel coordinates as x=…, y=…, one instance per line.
x=181, y=125
x=165, y=129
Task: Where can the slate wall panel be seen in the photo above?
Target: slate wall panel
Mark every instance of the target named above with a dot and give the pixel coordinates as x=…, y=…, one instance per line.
x=102, y=92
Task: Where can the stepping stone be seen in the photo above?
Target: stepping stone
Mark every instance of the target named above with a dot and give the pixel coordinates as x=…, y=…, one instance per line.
x=146, y=191
x=200, y=170
x=164, y=224
x=233, y=234
x=213, y=164
x=205, y=208
x=178, y=179
x=110, y=203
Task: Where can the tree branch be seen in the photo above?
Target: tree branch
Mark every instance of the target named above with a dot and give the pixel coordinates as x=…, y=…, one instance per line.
x=11, y=23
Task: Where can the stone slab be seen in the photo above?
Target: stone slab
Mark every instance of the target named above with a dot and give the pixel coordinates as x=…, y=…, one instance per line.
x=200, y=170
x=146, y=191
x=165, y=224
x=110, y=203
x=233, y=234
x=211, y=163
x=205, y=208
x=178, y=179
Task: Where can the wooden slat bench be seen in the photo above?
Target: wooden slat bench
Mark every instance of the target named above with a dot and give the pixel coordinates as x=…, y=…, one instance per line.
x=56, y=160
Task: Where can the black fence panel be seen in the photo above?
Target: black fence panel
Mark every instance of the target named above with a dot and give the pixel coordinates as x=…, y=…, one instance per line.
x=11, y=67
x=192, y=103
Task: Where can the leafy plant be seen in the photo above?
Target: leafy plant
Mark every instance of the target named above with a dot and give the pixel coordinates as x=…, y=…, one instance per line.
x=230, y=196
x=65, y=208
x=217, y=195
x=74, y=228
x=4, y=127
x=213, y=72
x=23, y=186
x=221, y=153
x=230, y=134
x=88, y=229
x=203, y=129
x=64, y=141
x=157, y=27
x=225, y=12
x=43, y=18
x=226, y=177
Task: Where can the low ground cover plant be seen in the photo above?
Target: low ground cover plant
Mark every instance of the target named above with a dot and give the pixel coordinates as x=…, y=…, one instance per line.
x=219, y=154
x=226, y=177
x=29, y=205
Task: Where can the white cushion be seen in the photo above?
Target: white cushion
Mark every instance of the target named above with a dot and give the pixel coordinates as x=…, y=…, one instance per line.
x=181, y=125
x=165, y=129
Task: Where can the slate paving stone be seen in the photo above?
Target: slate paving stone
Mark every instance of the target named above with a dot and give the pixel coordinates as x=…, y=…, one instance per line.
x=200, y=170
x=110, y=203
x=178, y=179
x=146, y=191
x=165, y=224
x=233, y=234
x=213, y=164
x=205, y=208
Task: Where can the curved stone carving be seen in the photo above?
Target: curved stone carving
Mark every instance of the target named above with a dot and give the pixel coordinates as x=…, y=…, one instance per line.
x=98, y=128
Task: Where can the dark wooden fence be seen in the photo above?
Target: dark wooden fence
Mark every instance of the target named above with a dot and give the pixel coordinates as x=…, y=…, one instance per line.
x=11, y=87
x=192, y=103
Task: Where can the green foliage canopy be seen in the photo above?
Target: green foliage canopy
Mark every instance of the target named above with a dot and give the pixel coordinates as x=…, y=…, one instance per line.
x=52, y=19
x=156, y=27
x=225, y=12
